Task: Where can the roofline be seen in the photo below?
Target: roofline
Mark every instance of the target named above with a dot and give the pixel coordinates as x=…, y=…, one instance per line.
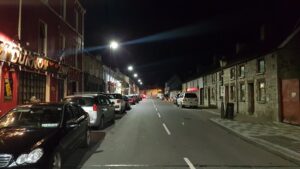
x=289, y=38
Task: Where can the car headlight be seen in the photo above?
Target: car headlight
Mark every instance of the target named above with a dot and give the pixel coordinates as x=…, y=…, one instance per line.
x=30, y=158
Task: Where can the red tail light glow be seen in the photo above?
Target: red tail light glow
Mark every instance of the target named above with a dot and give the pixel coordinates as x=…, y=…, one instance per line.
x=94, y=107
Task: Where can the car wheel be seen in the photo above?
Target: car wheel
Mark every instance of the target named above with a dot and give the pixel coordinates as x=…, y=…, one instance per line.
x=101, y=124
x=87, y=139
x=55, y=162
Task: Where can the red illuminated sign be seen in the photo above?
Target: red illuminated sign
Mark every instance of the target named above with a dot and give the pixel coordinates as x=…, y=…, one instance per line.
x=192, y=89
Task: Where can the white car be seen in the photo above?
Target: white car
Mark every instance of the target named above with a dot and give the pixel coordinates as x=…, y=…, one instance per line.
x=187, y=100
x=119, y=102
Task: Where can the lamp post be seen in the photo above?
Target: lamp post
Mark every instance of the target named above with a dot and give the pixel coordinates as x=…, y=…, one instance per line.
x=113, y=46
x=222, y=65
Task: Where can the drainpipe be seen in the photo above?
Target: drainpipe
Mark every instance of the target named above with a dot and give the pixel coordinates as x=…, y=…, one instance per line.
x=236, y=89
x=20, y=19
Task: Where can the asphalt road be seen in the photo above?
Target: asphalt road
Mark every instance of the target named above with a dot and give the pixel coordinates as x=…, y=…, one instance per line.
x=157, y=134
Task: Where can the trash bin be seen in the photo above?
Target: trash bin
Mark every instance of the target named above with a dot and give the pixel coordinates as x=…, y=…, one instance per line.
x=229, y=111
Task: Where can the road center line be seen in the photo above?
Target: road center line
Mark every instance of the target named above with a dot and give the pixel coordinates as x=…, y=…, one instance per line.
x=189, y=163
x=158, y=114
x=166, y=128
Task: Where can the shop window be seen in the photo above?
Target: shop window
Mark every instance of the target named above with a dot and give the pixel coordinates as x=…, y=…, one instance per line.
x=232, y=73
x=242, y=92
x=31, y=85
x=8, y=86
x=242, y=71
x=261, y=66
x=261, y=91
x=232, y=92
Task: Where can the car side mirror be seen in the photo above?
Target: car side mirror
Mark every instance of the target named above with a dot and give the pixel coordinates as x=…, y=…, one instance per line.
x=72, y=124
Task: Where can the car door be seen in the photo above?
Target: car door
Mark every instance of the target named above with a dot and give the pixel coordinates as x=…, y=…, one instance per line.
x=82, y=123
x=110, y=107
x=69, y=134
x=104, y=107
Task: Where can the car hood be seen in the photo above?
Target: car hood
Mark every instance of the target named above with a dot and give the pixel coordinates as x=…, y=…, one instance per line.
x=18, y=140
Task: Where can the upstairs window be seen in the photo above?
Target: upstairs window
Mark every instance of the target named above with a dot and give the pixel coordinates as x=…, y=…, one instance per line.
x=232, y=73
x=261, y=66
x=242, y=71
x=42, y=41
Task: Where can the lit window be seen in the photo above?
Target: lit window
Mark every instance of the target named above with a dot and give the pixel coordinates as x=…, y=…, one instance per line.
x=242, y=71
x=232, y=73
x=261, y=91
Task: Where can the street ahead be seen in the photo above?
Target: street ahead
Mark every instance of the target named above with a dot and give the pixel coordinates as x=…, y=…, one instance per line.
x=157, y=134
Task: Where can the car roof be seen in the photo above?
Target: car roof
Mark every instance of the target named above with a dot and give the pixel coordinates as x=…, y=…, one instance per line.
x=50, y=104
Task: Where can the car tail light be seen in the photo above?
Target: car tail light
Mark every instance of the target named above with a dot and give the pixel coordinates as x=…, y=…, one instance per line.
x=94, y=107
x=118, y=101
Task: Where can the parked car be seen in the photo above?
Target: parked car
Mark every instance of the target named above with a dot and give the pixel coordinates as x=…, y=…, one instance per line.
x=118, y=101
x=127, y=103
x=187, y=100
x=131, y=100
x=100, y=109
x=42, y=135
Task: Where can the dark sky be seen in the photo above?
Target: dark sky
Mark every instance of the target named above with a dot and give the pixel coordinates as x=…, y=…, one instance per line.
x=164, y=37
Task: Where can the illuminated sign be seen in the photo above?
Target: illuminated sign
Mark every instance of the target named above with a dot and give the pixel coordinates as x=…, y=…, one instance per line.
x=11, y=53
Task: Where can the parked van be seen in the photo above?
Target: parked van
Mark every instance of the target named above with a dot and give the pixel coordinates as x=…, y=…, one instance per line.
x=187, y=100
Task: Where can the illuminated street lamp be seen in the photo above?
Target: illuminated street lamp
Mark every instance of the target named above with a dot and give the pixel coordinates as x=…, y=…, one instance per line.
x=114, y=45
x=130, y=68
x=135, y=75
x=139, y=80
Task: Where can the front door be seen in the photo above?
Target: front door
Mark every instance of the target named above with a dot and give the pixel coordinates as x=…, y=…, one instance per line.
x=290, y=101
x=226, y=95
x=251, y=98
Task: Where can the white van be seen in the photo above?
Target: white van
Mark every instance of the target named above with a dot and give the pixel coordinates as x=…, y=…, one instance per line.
x=187, y=100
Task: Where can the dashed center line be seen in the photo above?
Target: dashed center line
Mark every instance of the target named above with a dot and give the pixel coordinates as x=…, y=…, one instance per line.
x=159, y=116
x=166, y=128
x=189, y=163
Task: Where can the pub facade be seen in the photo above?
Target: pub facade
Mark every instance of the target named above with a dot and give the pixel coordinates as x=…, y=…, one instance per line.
x=41, y=46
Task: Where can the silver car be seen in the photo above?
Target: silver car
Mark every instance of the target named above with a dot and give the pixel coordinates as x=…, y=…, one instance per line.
x=100, y=109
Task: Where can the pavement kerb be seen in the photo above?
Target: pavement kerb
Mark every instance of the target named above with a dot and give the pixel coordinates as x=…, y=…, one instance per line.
x=275, y=149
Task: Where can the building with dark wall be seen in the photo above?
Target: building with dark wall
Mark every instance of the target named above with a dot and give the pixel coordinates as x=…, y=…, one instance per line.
x=41, y=50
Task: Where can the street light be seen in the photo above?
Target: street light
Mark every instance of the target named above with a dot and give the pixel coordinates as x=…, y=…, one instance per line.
x=130, y=68
x=135, y=75
x=139, y=80
x=114, y=45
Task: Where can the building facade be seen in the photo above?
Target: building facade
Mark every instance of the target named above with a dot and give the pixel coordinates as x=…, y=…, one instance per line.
x=41, y=46
x=264, y=86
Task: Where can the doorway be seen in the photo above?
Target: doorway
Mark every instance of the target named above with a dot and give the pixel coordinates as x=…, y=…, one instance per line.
x=251, y=98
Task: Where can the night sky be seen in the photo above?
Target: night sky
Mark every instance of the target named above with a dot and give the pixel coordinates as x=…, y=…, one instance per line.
x=161, y=38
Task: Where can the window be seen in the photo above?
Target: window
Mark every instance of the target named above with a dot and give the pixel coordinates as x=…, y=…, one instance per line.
x=261, y=66
x=242, y=92
x=232, y=92
x=8, y=85
x=242, y=71
x=205, y=93
x=31, y=84
x=213, y=93
x=220, y=76
x=76, y=19
x=213, y=78
x=63, y=8
x=42, y=41
x=232, y=73
x=261, y=91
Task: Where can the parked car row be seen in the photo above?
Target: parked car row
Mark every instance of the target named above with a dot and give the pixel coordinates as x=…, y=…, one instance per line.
x=186, y=100
x=42, y=135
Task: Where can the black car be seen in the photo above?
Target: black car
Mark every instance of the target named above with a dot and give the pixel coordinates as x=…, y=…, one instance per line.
x=42, y=135
x=127, y=104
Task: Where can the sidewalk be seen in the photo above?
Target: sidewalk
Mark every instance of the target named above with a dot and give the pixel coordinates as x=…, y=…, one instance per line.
x=282, y=139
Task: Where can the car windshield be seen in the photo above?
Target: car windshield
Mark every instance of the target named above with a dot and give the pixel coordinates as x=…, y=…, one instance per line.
x=37, y=117
x=82, y=101
x=115, y=96
x=190, y=95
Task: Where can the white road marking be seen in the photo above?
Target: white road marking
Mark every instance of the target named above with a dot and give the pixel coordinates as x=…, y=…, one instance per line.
x=159, y=116
x=156, y=108
x=166, y=128
x=189, y=163
x=182, y=123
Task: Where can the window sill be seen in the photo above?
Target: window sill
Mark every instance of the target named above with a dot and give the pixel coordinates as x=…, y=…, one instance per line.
x=241, y=77
x=262, y=73
x=261, y=102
